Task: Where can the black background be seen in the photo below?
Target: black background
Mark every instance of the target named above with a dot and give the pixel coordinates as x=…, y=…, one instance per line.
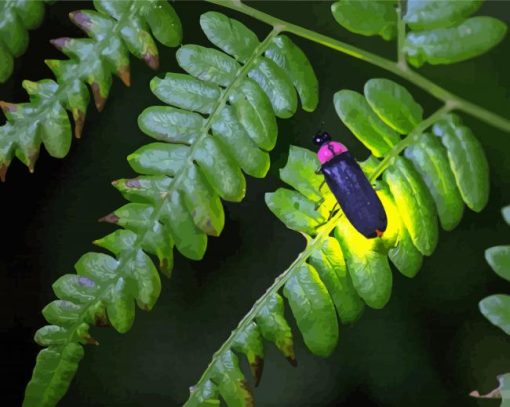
x=429, y=347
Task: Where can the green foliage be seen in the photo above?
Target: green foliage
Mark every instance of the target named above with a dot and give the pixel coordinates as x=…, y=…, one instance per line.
x=496, y=308
x=367, y=17
x=221, y=124
x=115, y=30
x=344, y=272
x=17, y=17
x=441, y=32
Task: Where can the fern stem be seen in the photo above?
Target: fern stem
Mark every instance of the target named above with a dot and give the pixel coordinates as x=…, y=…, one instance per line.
x=398, y=69
x=312, y=245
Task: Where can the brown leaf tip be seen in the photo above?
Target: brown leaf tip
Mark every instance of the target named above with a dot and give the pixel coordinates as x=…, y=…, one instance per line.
x=102, y=320
x=60, y=43
x=98, y=99
x=91, y=341
x=256, y=369
x=79, y=122
x=3, y=171
x=125, y=75
x=32, y=160
x=7, y=107
x=110, y=218
x=152, y=61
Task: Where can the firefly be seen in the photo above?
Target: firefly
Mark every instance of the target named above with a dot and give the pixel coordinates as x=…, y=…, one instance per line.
x=351, y=188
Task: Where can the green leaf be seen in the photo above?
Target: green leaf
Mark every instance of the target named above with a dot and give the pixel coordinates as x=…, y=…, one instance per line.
x=186, y=92
x=274, y=81
x=63, y=313
x=329, y=262
x=284, y=53
x=169, y=124
x=426, y=15
x=221, y=171
x=7, y=63
x=401, y=250
x=390, y=236
x=506, y=214
x=313, y=309
x=240, y=147
x=249, y=342
x=394, y=105
x=203, y=203
x=143, y=189
x=54, y=370
x=254, y=111
x=55, y=132
x=297, y=212
x=159, y=158
x=430, y=159
x=231, y=383
x=355, y=112
x=367, y=265
x=229, y=35
x=148, y=283
x=207, y=64
x=469, y=39
x=300, y=172
x=12, y=31
x=72, y=287
x=367, y=17
x=163, y=22
x=415, y=204
x=121, y=306
x=98, y=267
x=467, y=161
x=405, y=256
x=496, y=308
x=189, y=240
x=51, y=335
x=498, y=258
x=275, y=328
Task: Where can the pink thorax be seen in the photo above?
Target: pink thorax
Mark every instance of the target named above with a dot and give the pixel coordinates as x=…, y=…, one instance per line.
x=330, y=150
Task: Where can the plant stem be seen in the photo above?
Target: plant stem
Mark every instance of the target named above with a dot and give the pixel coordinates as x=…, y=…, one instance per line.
x=312, y=245
x=405, y=72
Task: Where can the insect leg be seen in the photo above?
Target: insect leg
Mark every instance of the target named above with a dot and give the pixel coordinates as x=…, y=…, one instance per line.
x=321, y=201
x=334, y=211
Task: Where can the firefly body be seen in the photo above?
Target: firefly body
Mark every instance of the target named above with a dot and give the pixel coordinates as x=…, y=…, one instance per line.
x=350, y=186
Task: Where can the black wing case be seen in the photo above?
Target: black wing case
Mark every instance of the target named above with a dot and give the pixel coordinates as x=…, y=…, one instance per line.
x=356, y=197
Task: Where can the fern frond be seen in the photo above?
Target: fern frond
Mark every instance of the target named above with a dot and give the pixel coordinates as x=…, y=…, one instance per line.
x=496, y=308
x=340, y=274
x=116, y=29
x=16, y=18
x=221, y=123
x=441, y=32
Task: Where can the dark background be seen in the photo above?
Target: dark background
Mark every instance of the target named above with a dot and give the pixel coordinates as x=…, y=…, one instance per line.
x=429, y=347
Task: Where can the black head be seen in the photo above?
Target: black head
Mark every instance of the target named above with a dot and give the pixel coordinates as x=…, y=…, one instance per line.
x=321, y=137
